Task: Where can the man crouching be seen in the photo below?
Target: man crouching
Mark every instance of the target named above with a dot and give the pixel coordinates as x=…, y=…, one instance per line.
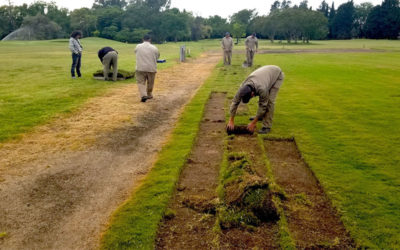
x=109, y=57
x=264, y=83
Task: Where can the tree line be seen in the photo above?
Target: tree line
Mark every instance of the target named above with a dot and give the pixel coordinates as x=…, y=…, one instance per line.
x=129, y=21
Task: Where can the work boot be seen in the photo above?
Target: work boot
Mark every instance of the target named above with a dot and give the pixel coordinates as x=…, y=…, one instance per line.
x=264, y=131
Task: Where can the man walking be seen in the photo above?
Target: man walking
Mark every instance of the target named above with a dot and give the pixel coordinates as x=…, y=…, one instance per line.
x=265, y=83
x=109, y=57
x=251, y=48
x=227, y=46
x=146, y=67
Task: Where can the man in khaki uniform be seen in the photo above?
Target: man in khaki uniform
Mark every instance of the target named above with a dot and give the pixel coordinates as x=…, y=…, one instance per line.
x=146, y=67
x=251, y=48
x=109, y=57
x=227, y=46
x=264, y=83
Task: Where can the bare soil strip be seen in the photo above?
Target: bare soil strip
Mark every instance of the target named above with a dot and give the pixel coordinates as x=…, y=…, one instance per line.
x=60, y=184
x=312, y=220
x=191, y=227
x=266, y=235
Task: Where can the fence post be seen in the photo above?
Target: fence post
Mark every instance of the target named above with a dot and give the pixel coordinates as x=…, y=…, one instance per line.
x=183, y=53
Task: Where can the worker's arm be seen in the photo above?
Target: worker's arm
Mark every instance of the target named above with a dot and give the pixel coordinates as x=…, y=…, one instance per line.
x=234, y=106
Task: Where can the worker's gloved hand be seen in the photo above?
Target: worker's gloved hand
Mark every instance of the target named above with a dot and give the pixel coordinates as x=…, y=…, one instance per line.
x=252, y=126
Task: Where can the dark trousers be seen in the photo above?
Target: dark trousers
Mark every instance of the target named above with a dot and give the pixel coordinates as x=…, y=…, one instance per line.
x=76, y=64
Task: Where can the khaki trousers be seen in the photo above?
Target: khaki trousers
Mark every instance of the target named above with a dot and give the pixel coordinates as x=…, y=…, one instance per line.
x=269, y=115
x=110, y=59
x=250, y=57
x=145, y=77
x=227, y=57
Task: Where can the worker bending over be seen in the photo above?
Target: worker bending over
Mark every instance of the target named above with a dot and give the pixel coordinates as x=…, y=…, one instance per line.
x=109, y=58
x=264, y=83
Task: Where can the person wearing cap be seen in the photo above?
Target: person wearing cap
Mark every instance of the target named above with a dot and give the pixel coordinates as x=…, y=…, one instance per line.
x=251, y=48
x=265, y=83
x=146, y=67
x=227, y=46
x=109, y=57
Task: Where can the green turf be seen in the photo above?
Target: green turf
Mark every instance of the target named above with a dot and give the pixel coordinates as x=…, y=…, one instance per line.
x=344, y=110
x=35, y=83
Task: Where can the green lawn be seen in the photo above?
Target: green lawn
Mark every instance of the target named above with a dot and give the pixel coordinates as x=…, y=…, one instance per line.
x=344, y=110
x=35, y=85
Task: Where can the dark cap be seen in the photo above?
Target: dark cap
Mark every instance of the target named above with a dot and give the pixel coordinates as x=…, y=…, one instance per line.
x=245, y=93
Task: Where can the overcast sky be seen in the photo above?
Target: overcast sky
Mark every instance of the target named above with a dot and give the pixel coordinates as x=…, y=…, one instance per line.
x=204, y=8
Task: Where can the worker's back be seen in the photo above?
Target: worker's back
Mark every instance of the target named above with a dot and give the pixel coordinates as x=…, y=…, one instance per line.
x=265, y=77
x=146, y=57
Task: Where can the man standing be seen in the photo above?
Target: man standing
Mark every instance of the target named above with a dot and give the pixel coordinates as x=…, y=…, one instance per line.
x=146, y=67
x=264, y=83
x=251, y=48
x=76, y=49
x=227, y=46
x=109, y=57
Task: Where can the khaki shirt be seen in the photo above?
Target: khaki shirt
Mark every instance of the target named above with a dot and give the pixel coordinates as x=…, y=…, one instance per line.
x=227, y=44
x=262, y=80
x=251, y=43
x=146, y=57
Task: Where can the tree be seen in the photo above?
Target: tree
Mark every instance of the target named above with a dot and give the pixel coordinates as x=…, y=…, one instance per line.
x=174, y=25
x=83, y=19
x=384, y=21
x=275, y=6
x=360, y=18
x=238, y=31
x=219, y=26
x=324, y=8
x=343, y=21
x=42, y=27
x=59, y=16
x=243, y=20
x=109, y=3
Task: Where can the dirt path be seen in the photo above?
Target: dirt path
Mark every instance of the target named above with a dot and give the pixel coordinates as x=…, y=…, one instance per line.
x=312, y=221
x=60, y=184
x=192, y=227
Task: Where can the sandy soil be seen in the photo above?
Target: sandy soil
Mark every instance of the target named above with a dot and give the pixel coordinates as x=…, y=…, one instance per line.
x=60, y=183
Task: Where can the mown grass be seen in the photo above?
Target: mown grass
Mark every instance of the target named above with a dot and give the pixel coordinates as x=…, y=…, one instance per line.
x=35, y=83
x=344, y=110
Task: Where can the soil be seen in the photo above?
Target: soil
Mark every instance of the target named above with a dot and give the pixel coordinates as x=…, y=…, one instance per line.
x=193, y=205
x=312, y=220
x=266, y=235
x=60, y=183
